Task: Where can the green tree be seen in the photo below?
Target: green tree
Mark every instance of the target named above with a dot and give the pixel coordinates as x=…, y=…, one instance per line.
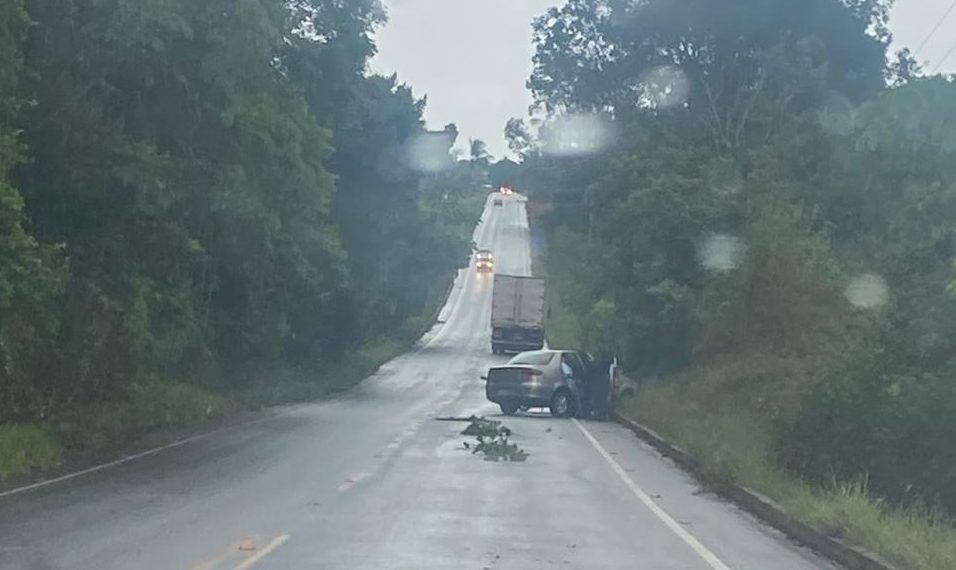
x=185, y=177
x=771, y=227
x=478, y=151
x=735, y=67
x=520, y=140
x=31, y=274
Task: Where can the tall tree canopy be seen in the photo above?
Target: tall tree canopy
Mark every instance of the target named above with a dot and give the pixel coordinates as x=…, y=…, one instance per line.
x=226, y=182
x=767, y=224
x=31, y=274
x=736, y=65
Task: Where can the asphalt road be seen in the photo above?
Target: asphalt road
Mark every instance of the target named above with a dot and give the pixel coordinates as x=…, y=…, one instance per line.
x=372, y=480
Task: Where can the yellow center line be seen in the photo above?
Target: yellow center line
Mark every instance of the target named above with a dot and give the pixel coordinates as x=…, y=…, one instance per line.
x=259, y=555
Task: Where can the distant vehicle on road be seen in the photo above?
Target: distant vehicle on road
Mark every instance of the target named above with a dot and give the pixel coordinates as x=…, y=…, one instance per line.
x=517, y=314
x=484, y=261
x=550, y=379
x=498, y=202
x=506, y=191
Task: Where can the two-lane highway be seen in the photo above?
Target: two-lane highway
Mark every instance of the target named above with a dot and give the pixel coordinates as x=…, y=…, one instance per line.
x=371, y=480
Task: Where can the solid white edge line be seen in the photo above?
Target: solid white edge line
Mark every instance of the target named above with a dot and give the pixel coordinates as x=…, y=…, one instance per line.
x=100, y=467
x=687, y=537
x=122, y=460
x=154, y=451
x=252, y=561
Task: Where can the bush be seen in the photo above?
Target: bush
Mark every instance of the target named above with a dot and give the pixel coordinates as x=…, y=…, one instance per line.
x=26, y=447
x=893, y=428
x=160, y=404
x=149, y=403
x=734, y=446
x=706, y=413
x=375, y=354
x=766, y=387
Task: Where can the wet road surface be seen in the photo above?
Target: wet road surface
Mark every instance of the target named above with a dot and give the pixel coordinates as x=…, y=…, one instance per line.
x=373, y=480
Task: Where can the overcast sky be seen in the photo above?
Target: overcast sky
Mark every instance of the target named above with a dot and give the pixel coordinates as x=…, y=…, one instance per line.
x=472, y=57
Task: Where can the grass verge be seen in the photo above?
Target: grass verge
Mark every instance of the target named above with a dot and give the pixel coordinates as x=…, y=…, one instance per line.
x=735, y=448
x=152, y=404
x=706, y=414
x=25, y=448
x=562, y=326
x=301, y=385
x=148, y=405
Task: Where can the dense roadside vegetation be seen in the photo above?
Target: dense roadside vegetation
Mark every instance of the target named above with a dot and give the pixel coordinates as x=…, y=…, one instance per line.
x=205, y=204
x=755, y=203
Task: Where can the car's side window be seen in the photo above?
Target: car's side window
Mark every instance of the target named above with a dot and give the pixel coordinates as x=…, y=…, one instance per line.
x=574, y=361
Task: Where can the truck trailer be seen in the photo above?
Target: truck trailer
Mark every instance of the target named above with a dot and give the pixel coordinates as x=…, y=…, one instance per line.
x=517, y=314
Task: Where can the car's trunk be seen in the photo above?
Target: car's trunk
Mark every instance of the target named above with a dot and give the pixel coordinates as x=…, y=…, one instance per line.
x=505, y=375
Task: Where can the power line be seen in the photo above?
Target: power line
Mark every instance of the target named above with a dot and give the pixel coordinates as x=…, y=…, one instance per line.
x=936, y=28
x=951, y=51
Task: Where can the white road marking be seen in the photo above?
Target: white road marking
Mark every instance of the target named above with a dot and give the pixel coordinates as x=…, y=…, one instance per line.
x=11, y=548
x=463, y=276
x=253, y=560
x=122, y=460
x=687, y=537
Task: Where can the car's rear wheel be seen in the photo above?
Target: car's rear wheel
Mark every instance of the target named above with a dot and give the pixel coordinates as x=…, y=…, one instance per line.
x=562, y=406
x=509, y=408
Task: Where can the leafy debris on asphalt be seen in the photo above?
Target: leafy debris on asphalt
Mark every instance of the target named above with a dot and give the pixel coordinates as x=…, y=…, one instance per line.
x=483, y=427
x=493, y=441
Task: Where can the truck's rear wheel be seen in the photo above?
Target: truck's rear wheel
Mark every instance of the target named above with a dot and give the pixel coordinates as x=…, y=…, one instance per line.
x=509, y=408
x=562, y=405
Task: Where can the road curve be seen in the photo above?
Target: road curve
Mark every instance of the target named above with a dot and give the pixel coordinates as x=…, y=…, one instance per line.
x=372, y=480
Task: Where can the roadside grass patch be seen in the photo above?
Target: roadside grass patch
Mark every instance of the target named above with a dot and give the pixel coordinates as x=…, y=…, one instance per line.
x=149, y=404
x=734, y=447
x=170, y=404
x=289, y=385
x=493, y=441
x=377, y=353
x=314, y=383
x=562, y=325
x=28, y=447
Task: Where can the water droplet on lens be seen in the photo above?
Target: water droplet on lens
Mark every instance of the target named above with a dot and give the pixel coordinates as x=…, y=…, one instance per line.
x=721, y=252
x=577, y=135
x=867, y=291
